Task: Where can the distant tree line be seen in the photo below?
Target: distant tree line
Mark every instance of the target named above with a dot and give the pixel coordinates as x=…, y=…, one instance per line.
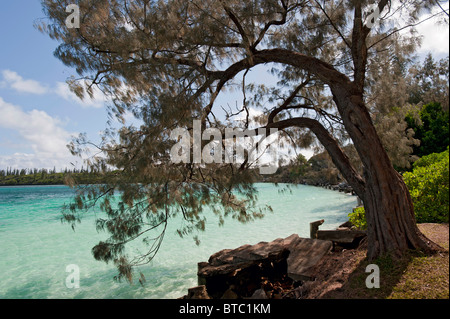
x=43, y=176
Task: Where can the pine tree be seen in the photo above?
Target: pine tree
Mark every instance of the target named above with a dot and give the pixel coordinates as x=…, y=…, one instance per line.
x=167, y=62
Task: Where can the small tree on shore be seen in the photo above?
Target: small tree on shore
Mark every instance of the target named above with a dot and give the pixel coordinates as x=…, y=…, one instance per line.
x=167, y=63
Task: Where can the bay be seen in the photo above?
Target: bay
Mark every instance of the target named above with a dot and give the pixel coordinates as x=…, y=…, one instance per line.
x=37, y=250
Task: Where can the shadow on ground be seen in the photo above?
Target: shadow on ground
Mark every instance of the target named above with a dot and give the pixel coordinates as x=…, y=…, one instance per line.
x=342, y=274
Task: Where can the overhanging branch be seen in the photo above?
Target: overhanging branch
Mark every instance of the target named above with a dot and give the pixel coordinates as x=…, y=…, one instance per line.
x=339, y=158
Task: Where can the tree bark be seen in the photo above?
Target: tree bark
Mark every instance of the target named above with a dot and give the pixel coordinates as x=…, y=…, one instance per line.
x=391, y=222
x=389, y=210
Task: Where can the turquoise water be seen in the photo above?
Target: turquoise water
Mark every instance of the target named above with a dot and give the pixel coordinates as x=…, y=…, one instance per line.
x=36, y=248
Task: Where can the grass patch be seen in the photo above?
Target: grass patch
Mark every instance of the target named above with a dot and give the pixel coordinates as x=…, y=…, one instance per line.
x=414, y=276
x=425, y=277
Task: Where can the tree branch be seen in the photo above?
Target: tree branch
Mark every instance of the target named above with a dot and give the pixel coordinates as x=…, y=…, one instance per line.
x=237, y=24
x=443, y=10
x=287, y=102
x=270, y=24
x=359, y=46
x=411, y=25
x=333, y=25
x=339, y=158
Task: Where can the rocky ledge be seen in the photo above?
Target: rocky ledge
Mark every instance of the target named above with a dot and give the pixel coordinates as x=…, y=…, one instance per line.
x=278, y=269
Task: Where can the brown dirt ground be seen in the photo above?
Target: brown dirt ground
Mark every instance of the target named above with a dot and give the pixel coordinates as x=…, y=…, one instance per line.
x=341, y=274
x=439, y=233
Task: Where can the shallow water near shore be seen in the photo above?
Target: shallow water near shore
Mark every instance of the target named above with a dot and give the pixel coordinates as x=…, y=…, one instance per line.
x=36, y=248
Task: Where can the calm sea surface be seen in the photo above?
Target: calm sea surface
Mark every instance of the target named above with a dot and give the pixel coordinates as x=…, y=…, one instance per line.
x=36, y=248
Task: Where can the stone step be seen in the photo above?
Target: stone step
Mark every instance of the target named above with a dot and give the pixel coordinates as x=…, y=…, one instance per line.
x=292, y=256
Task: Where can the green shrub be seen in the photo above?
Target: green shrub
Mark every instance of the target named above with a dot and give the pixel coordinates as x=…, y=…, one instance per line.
x=358, y=218
x=431, y=159
x=428, y=185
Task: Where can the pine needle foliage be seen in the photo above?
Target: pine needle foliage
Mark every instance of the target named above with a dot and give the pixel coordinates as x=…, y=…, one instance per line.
x=167, y=62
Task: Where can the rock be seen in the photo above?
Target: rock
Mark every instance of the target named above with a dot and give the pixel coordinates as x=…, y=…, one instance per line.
x=282, y=260
x=229, y=294
x=302, y=291
x=344, y=234
x=341, y=236
x=314, y=227
x=197, y=293
x=347, y=224
x=259, y=294
x=305, y=254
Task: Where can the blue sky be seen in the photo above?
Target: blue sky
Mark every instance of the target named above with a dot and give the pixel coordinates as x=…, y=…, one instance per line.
x=38, y=114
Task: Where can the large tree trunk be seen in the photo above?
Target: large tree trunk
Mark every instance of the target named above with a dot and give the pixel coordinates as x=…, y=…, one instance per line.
x=390, y=216
x=389, y=209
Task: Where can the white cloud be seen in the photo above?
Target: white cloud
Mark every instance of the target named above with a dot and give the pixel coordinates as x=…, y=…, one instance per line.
x=435, y=37
x=99, y=99
x=16, y=82
x=434, y=32
x=40, y=132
